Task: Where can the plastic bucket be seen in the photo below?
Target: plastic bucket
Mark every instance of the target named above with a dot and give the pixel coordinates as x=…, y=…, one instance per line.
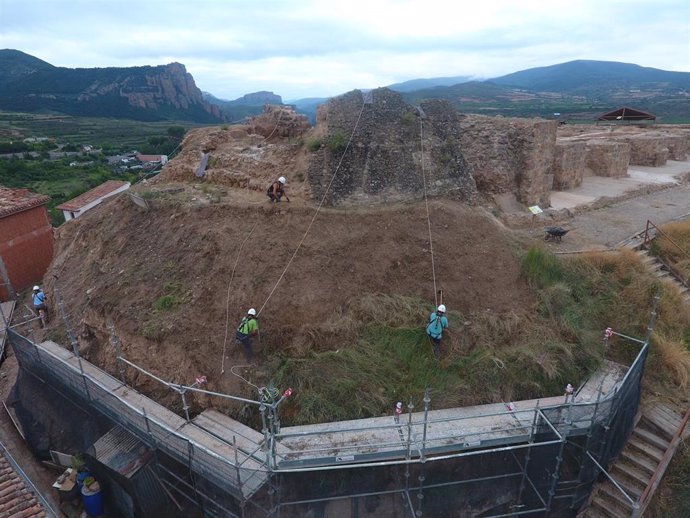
x=93, y=501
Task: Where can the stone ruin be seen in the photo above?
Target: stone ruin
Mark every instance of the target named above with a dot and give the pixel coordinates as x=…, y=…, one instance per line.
x=396, y=147
x=510, y=155
x=393, y=149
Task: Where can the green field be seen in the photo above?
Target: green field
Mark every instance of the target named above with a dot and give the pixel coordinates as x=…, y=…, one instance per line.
x=56, y=178
x=97, y=132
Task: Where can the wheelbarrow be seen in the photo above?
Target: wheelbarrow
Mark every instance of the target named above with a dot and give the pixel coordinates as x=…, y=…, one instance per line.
x=554, y=233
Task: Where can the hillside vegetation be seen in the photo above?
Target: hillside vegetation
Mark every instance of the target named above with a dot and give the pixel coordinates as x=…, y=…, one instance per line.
x=345, y=326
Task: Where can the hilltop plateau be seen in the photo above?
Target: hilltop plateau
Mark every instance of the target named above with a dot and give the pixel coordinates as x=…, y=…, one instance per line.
x=344, y=275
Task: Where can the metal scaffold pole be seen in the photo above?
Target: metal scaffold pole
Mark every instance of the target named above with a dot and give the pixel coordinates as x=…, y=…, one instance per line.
x=73, y=339
x=527, y=456
x=559, y=458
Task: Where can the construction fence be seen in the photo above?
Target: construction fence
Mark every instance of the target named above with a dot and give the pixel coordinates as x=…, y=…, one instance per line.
x=544, y=464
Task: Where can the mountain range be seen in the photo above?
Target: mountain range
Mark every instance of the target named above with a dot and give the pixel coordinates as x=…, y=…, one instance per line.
x=28, y=84
x=576, y=90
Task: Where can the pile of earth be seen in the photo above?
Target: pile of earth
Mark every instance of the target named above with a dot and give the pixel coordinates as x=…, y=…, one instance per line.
x=176, y=279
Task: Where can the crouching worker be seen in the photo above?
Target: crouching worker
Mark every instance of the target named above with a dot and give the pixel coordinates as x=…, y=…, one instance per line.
x=276, y=190
x=434, y=329
x=248, y=327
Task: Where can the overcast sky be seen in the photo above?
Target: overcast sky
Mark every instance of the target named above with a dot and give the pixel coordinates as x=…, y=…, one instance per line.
x=303, y=48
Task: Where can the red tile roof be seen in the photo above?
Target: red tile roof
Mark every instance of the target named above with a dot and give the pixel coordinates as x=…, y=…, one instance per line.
x=150, y=158
x=18, y=200
x=94, y=194
x=15, y=498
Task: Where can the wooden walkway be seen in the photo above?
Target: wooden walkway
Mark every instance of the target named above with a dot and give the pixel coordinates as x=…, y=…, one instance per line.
x=641, y=465
x=213, y=454
x=447, y=430
x=237, y=457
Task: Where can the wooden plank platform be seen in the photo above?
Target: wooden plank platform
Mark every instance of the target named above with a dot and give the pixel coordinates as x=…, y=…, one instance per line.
x=210, y=456
x=453, y=429
x=57, y=350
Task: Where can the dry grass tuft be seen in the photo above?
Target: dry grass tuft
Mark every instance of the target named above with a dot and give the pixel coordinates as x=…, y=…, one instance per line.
x=389, y=310
x=673, y=356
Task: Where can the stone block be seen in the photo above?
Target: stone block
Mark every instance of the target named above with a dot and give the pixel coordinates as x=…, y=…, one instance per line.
x=608, y=158
x=569, y=165
x=510, y=155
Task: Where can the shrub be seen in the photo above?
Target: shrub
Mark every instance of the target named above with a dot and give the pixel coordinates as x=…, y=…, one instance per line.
x=166, y=302
x=408, y=118
x=314, y=144
x=338, y=141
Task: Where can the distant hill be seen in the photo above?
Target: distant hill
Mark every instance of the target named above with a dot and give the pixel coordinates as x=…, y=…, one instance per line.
x=578, y=90
x=592, y=77
x=308, y=106
x=246, y=106
x=150, y=93
x=420, y=84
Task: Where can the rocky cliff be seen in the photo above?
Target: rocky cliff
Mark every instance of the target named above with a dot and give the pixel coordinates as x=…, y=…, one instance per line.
x=141, y=93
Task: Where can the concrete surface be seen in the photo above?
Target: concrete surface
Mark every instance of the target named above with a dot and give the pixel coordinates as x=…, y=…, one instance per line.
x=595, y=187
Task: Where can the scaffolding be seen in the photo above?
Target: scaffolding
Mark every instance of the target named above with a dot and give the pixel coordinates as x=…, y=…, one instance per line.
x=540, y=456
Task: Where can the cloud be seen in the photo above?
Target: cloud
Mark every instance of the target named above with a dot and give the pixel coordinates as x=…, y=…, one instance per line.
x=318, y=48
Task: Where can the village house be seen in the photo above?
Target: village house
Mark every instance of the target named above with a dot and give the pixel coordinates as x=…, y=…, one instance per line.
x=26, y=239
x=153, y=159
x=79, y=205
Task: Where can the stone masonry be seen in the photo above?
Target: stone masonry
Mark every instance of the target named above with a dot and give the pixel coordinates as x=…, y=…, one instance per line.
x=394, y=148
x=569, y=165
x=511, y=155
x=606, y=158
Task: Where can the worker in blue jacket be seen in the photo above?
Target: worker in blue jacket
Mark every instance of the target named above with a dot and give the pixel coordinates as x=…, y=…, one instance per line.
x=434, y=329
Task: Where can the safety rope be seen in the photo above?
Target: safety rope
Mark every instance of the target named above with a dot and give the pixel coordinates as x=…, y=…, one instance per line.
x=318, y=208
x=280, y=118
x=232, y=370
x=428, y=214
x=227, y=301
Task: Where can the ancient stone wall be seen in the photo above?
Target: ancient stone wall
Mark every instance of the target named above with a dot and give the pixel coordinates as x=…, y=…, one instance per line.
x=392, y=151
x=647, y=150
x=278, y=122
x=569, y=164
x=607, y=158
x=510, y=155
x=677, y=146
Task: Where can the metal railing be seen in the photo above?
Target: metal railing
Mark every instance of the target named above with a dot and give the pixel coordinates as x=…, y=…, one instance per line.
x=243, y=471
x=649, y=235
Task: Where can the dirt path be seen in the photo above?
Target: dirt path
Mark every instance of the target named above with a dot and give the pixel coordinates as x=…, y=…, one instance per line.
x=606, y=227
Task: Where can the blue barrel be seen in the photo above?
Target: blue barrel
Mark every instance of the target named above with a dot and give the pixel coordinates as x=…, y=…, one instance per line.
x=93, y=501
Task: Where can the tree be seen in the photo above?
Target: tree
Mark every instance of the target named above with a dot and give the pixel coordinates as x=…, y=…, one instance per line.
x=176, y=132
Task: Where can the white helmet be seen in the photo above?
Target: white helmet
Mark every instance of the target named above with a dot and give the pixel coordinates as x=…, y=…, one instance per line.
x=36, y=288
x=251, y=312
x=282, y=180
x=441, y=308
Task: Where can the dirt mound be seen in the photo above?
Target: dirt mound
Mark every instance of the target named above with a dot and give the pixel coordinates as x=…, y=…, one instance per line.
x=162, y=276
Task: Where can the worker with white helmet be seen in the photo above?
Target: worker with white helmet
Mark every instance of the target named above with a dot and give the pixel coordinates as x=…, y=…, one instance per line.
x=277, y=190
x=434, y=329
x=248, y=327
x=39, y=301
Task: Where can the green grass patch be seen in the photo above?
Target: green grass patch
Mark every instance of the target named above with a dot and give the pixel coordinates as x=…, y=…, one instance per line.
x=175, y=295
x=374, y=351
x=314, y=144
x=338, y=141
